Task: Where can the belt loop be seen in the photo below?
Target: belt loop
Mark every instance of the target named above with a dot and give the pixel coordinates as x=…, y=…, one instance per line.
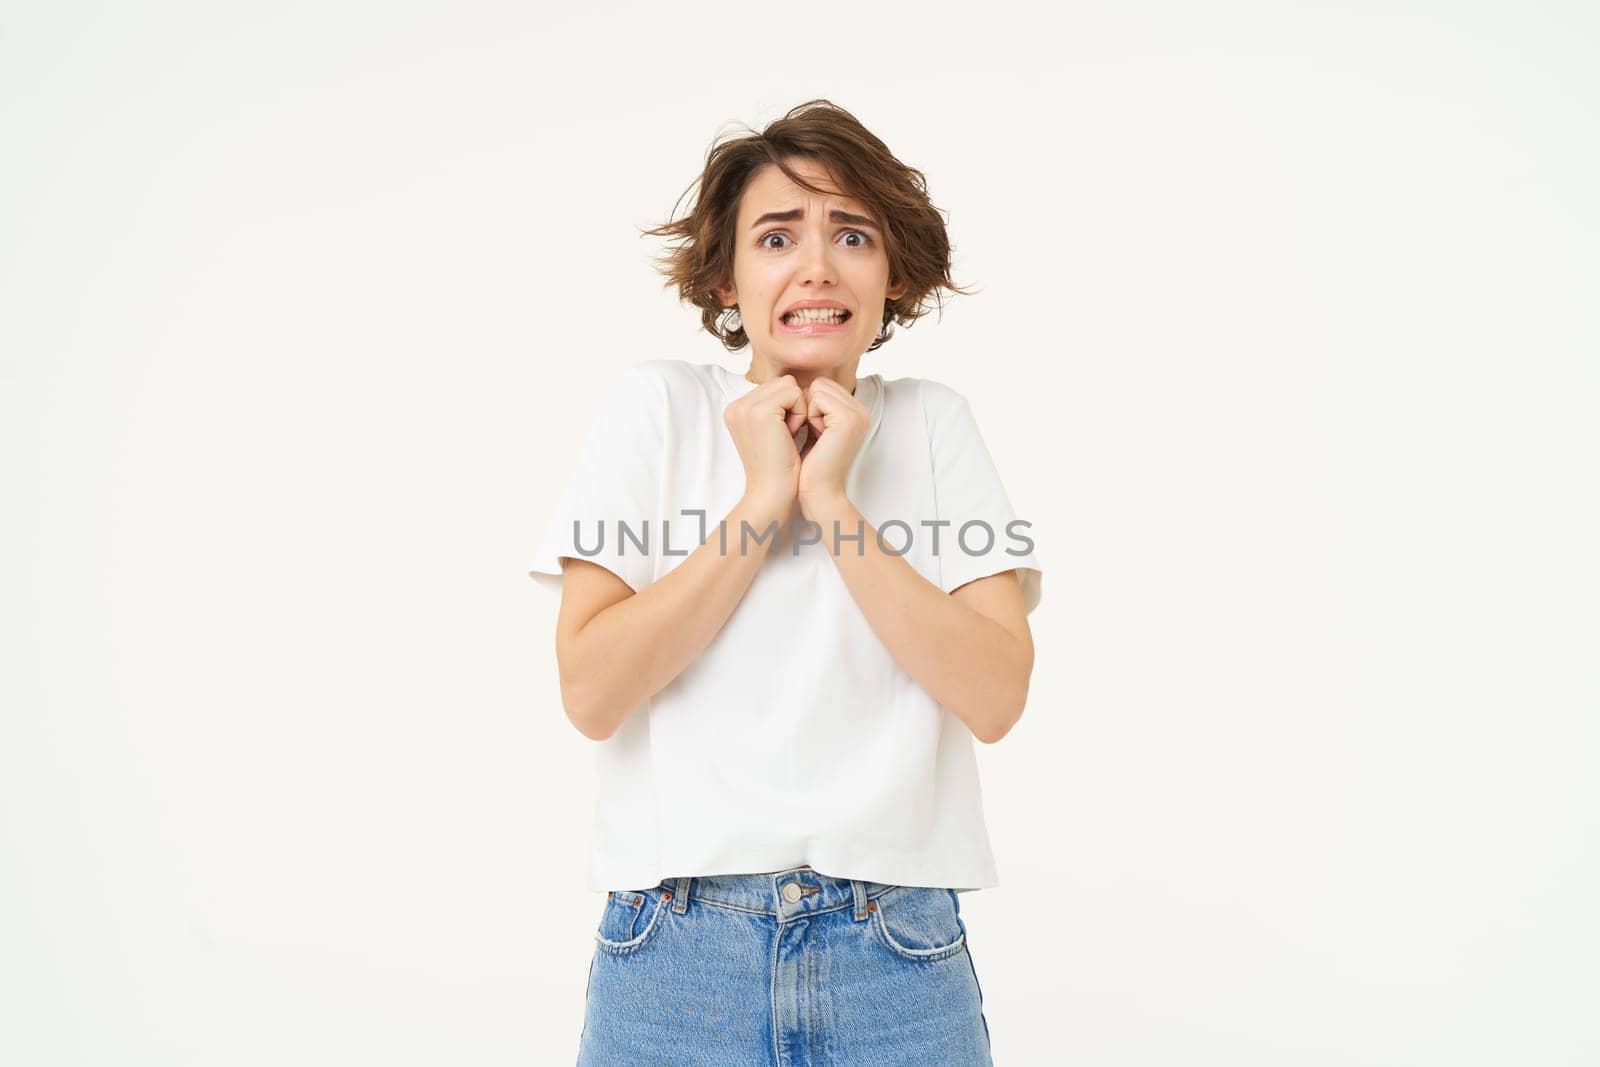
x=859, y=890
x=680, y=895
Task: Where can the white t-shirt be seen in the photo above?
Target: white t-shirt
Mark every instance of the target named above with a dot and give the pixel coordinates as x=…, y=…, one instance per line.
x=794, y=737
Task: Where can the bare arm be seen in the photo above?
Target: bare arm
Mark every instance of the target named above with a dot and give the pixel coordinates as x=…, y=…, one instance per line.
x=617, y=648
x=971, y=650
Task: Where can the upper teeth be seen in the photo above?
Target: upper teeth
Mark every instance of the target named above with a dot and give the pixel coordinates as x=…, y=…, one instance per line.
x=815, y=314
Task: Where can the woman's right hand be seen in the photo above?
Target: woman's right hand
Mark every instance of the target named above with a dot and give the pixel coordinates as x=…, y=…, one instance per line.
x=763, y=423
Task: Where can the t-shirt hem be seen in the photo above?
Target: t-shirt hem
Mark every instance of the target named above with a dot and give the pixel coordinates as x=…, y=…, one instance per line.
x=885, y=868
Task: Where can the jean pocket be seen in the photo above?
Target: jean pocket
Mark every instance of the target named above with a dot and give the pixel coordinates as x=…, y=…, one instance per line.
x=630, y=920
x=918, y=923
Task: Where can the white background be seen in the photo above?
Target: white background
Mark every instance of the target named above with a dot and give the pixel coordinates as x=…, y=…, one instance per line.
x=1286, y=344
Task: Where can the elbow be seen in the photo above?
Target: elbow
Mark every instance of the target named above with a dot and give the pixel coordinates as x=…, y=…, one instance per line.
x=1004, y=714
x=597, y=704
x=994, y=730
x=588, y=718
x=593, y=729
x=581, y=700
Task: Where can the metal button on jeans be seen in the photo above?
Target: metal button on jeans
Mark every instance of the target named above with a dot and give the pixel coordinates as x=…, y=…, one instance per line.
x=791, y=891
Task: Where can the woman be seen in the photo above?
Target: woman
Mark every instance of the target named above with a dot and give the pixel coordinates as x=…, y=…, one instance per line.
x=790, y=601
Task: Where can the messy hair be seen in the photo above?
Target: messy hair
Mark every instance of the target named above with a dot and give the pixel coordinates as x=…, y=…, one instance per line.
x=915, y=240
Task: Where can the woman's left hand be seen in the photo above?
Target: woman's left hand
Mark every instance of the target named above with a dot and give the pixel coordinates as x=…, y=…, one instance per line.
x=837, y=424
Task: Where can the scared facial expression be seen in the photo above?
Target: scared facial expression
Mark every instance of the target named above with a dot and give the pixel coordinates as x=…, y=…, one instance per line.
x=795, y=248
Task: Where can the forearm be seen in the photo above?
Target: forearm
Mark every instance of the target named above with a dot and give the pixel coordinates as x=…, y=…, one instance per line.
x=963, y=659
x=631, y=650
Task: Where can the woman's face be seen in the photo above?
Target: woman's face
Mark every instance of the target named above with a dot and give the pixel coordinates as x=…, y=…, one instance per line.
x=793, y=246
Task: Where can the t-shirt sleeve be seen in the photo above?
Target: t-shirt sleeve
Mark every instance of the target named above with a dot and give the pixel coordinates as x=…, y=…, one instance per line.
x=615, y=480
x=970, y=496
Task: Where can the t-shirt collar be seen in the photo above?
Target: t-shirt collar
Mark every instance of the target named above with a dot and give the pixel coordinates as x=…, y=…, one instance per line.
x=869, y=391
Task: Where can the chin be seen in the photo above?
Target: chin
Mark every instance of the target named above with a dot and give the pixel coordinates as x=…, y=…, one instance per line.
x=811, y=363
x=818, y=353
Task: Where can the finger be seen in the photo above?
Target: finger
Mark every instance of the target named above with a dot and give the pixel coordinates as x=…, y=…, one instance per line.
x=790, y=399
x=834, y=395
x=817, y=409
x=794, y=419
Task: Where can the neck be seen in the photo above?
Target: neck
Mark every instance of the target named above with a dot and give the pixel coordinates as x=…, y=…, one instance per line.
x=762, y=371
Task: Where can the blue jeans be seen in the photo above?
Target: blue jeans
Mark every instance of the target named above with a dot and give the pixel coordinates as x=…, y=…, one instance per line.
x=788, y=969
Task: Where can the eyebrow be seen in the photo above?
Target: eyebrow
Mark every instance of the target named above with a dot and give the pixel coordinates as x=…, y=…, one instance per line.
x=799, y=213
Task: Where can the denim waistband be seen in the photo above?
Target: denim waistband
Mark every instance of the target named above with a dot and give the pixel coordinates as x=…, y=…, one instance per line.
x=786, y=894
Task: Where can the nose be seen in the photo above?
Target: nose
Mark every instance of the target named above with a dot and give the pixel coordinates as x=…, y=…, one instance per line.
x=816, y=262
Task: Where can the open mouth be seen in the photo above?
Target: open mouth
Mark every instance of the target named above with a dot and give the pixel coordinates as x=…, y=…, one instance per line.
x=816, y=317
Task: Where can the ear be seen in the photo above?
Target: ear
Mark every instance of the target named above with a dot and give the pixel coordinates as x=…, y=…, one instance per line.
x=727, y=294
x=896, y=291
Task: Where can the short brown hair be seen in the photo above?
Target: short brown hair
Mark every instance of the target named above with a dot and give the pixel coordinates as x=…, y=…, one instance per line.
x=914, y=231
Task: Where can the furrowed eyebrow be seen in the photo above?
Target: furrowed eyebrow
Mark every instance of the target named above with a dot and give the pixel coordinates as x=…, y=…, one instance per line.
x=799, y=213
